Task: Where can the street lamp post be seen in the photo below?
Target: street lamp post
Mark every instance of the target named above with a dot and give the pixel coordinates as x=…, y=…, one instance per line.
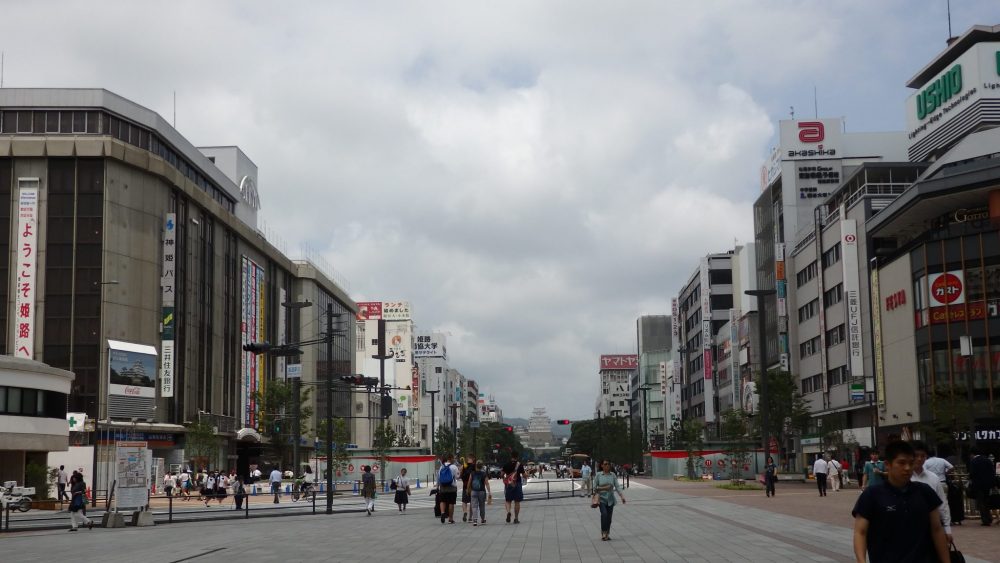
x=760, y=294
x=433, y=414
x=296, y=384
x=644, y=389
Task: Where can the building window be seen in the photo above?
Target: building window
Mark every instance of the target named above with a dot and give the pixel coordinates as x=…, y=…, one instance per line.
x=437, y=369
x=833, y=295
x=809, y=310
x=809, y=347
x=836, y=376
x=807, y=273
x=832, y=256
x=835, y=336
x=812, y=384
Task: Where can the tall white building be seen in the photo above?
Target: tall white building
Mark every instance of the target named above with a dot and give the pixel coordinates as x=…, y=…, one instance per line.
x=615, y=376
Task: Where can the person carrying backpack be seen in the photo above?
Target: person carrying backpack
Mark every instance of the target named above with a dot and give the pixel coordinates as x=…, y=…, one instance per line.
x=479, y=492
x=447, y=488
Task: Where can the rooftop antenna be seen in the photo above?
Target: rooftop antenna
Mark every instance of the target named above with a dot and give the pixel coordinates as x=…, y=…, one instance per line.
x=175, y=109
x=792, y=110
x=949, y=21
x=815, y=103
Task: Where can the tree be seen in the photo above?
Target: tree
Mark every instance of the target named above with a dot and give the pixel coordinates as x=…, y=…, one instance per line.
x=605, y=438
x=444, y=440
x=735, y=429
x=952, y=418
x=200, y=442
x=688, y=435
x=383, y=441
x=276, y=420
x=341, y=438
x=787, y=411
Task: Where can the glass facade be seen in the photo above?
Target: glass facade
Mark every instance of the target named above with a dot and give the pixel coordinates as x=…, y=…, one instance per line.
x=956, y=293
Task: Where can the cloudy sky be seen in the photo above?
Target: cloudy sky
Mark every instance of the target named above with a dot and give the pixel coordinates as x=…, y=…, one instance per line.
x=531, y=175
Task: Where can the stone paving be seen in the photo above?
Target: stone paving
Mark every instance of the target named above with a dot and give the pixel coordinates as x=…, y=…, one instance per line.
x=655, y=525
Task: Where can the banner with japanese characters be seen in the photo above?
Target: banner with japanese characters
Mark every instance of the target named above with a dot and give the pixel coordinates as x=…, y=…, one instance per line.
x=169, y=275
x=25, y=266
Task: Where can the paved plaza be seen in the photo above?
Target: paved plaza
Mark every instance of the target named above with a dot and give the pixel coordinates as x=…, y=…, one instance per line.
x=663, y=521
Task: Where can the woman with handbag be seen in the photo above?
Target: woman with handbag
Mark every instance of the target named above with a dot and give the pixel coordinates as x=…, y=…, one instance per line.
x=605, y=487
x=78, y=503
x=402, y=487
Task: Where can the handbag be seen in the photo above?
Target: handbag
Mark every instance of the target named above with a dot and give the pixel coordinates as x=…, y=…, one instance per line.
x=393, y=485
x=595, y=500
x=954, y=554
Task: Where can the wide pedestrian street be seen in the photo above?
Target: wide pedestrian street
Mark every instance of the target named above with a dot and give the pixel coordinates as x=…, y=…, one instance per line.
x=662, y=521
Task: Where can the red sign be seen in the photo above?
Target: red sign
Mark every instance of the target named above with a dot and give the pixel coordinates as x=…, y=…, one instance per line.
x=946, y=289
x=619, y=361
x=350, y=468
x=369, y=310
x=708, y=463
x=811, y=131
x=895, y=300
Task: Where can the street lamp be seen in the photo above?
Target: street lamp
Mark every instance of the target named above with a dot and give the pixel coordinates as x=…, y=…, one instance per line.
x=296, y=383
x=644, y=388
x=432, y=394
x=760, y=294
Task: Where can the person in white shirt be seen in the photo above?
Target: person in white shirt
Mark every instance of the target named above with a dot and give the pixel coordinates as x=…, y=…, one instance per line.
x=186, y=484
x=923, y=475
x=585, y=478
x=819, y=470
x=938, y=466
x=208, y=491
x=168, y=484
x=61, y=481
x=275, y=483
x=833, y=473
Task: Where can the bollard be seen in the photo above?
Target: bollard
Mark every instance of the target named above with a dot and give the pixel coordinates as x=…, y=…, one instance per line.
x=418, y=482
x=355, y=487
x=314, y=501
x=572, y=487
x=246, y=507
x=548, y=492
x=170, y=509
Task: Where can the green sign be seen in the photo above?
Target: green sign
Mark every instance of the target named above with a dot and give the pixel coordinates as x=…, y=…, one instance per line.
x=941, y=90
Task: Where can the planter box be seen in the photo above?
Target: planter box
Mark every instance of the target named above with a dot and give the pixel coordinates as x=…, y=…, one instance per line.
x=46, y=505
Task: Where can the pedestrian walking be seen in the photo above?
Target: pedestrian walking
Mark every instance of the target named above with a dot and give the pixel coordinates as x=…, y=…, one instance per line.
x=221, y=483
x=168, y=484
x=605, y=487
x=78, y=503
x=819, y=471
x=770, y=476
x=922, y=475
x=208, y=489
x=368, y=489
x=402, y=486
x=874, y=471
x=275, y=479
x=513, y=481
x=61, y=480
x=479, y=491
x=467, y=469
x=982, y=478
x=897, y=520
x=833, y=473
x=186, y=484
x=239, y=492
x=448, y=477
x=939, y=466
x=585, y=478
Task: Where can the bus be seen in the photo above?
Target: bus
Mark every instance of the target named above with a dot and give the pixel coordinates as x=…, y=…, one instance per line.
x=576, y=463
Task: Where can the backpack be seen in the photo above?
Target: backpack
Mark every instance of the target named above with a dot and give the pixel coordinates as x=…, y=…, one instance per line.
x=477, y=481
x=511, y=479
x=444, y=476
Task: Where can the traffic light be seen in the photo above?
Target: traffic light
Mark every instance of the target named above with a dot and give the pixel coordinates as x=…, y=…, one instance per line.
x=257, y=347
x=564, y=422
x=386, y=406
x=353, y=379
x=508, y=428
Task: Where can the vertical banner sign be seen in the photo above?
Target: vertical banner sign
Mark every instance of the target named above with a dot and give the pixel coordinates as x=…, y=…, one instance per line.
x=734, y=355
x=251, y=330
x=779, y=256
x=169, y=276
x=27, y=253
x=876, y=343
x=852, y=294
x=282, y=334
x=707, y=338
x=675, y=331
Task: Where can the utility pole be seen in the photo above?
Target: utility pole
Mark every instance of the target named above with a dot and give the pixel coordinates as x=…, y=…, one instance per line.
x=760, y=294
x=454, y=424
x=329, y=407
x=433, y=414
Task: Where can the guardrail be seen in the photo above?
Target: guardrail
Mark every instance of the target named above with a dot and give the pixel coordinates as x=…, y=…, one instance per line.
x=169, y=509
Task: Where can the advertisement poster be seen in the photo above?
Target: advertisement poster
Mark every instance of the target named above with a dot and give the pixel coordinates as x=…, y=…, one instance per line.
x=132, y=369
x=252, y=330
x=25, y=262
x=133, y=463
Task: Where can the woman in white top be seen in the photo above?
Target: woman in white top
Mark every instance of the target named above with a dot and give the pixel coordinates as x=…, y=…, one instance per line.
x=402, y=490
x=833, y=473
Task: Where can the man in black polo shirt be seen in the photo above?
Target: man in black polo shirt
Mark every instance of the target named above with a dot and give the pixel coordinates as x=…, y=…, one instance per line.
x=897, y=520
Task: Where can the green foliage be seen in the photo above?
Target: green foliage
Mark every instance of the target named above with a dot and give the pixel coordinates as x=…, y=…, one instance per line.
x=787, y=411
x=382, y=442
x=444, y=440
x=37, y=475
x=735, y=429
x=341, y=438
x=951, y=415
x=603, y=438
x=276, y=420
x=201, y=442
x=688, y=435
x=740, y=486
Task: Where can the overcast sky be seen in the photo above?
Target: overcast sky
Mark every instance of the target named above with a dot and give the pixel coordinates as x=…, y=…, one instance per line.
x=531, y=175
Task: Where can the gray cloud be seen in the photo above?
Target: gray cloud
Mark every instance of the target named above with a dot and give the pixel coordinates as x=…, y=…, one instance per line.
x=532, y=176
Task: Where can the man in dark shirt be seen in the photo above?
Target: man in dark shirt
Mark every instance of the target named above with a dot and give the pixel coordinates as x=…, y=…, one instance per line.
x=897, y=520
x=513, y=479
x=467, y=470
x=982, y=478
